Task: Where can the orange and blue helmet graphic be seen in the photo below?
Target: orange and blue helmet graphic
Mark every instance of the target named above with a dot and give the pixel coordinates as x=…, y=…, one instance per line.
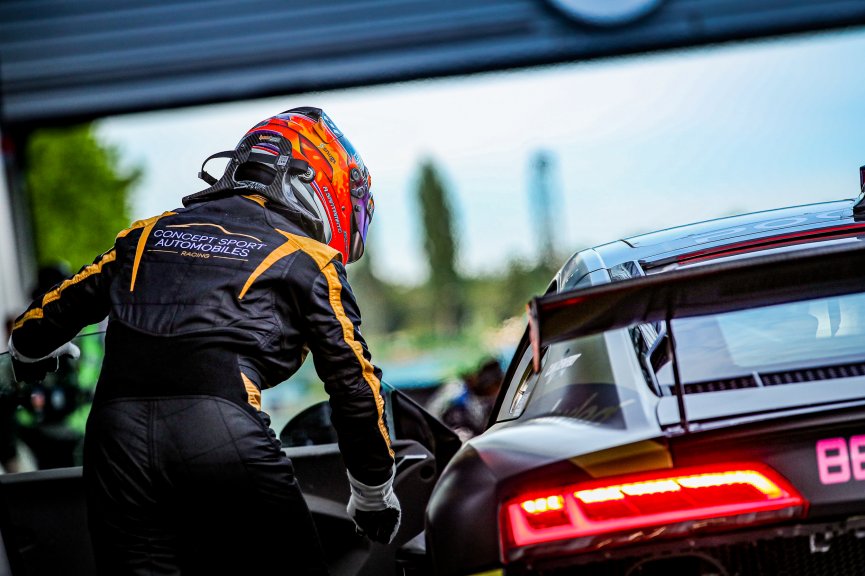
x=338, y=178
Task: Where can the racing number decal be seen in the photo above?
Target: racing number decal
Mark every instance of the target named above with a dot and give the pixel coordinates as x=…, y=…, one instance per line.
x=839, y=460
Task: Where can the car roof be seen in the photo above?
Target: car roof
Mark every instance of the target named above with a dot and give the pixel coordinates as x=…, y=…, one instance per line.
x=709, y=239
x=768, y=223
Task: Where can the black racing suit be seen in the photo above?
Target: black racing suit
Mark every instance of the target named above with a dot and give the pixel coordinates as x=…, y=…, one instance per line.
x=207, y=305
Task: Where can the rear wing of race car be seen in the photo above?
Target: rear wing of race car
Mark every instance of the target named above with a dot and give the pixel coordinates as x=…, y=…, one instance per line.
x=708, y=289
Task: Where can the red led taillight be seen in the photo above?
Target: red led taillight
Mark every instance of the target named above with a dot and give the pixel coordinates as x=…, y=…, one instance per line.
x=638, y=507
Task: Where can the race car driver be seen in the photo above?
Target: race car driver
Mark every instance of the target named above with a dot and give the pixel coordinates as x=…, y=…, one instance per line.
x=208, y=305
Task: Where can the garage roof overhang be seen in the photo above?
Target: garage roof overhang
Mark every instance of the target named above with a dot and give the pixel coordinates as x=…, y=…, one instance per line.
x=64, y=61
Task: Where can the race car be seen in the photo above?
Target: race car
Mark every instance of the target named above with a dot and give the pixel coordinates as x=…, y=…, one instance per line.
x=688, y=401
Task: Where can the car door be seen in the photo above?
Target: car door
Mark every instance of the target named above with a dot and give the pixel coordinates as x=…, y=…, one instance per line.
x=422, y=446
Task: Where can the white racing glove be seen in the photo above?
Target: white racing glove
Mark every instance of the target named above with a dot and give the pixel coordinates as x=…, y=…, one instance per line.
x=26, y=369
x=374, y=509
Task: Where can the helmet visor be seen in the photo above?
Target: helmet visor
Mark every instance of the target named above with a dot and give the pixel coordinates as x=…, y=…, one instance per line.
x=362, y=217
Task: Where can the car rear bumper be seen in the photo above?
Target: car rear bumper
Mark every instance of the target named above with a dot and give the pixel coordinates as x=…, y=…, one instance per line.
x=801, y=549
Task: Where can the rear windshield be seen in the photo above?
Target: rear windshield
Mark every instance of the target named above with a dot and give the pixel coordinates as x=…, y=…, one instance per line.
x=816, y=333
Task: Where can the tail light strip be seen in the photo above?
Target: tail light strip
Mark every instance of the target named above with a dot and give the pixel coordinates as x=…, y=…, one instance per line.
x=629, y=504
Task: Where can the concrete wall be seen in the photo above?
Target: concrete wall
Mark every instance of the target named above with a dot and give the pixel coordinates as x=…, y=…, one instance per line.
x=11, y=291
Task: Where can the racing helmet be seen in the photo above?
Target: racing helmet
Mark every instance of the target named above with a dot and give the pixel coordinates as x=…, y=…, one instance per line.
x=302, y=162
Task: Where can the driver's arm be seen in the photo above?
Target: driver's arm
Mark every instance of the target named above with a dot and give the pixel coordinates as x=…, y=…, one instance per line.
x=342, y=360
x=56, y=317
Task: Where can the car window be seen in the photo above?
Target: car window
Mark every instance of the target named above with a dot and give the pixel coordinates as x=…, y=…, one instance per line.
x=750, y=343
x=517, y=390
x=517, y=395
x=577, y=381
x=523, y=391
x=625, y=271
x=650, y=344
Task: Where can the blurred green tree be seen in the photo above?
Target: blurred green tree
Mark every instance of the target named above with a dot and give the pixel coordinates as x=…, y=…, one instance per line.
x=440, y=245
x=79, y=197
x=379, y=302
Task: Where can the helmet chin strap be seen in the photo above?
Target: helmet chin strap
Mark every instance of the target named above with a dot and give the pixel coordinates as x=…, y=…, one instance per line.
x=228, y=186
x=204, y=174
